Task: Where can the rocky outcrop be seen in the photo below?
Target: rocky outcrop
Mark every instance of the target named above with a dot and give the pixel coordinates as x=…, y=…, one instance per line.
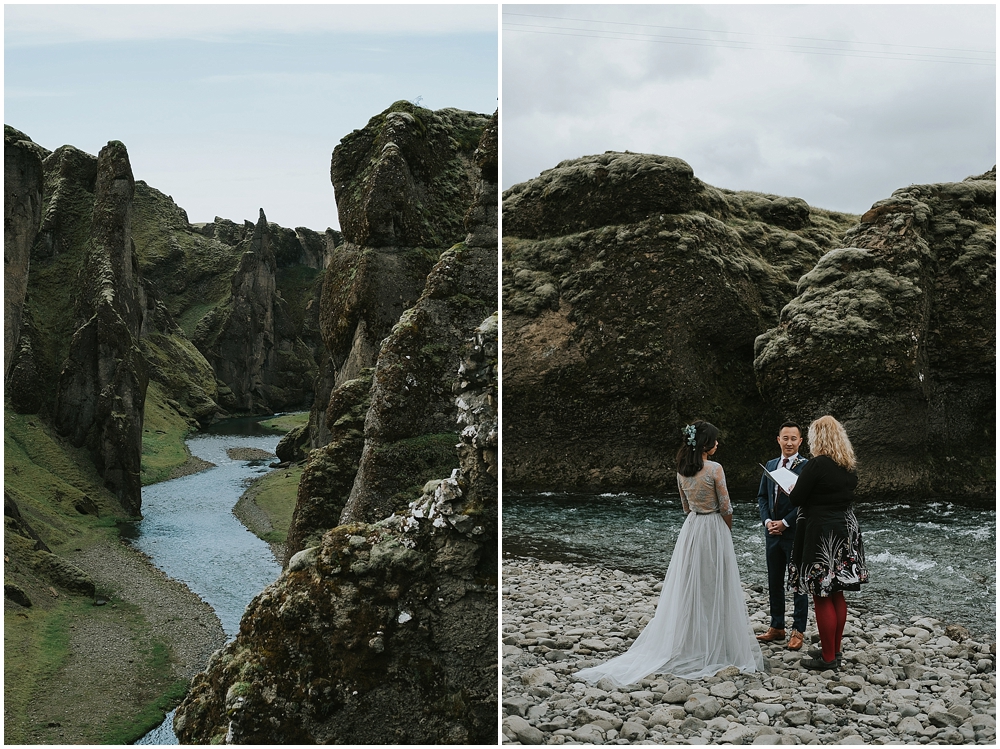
x=384, y=632
x=633, y=293
x=403, y=185
x=102, y=387
x=365, y=290
x=22, y=211
x=251, y=341
x=410, y=427
x=404, y=180
x=328, y=477
x=895, y=335
x=411, y=431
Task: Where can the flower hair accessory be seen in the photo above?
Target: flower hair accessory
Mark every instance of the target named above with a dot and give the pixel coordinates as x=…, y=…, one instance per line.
x=689, y=432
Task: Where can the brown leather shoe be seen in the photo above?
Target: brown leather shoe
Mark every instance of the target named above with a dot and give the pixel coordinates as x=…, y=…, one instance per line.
x=795, y=641
x=771, y=635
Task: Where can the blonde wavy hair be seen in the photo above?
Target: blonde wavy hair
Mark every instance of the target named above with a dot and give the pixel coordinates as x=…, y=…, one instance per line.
x=827, y=436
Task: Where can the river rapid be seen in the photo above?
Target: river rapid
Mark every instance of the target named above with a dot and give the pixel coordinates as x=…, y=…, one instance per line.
x=189, y=531
x=933, y=559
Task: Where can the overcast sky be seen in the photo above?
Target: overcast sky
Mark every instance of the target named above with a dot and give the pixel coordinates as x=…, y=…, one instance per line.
x=233, y=108
x=837, y=104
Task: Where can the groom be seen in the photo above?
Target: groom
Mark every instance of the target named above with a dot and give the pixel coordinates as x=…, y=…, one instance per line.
x=778, y=518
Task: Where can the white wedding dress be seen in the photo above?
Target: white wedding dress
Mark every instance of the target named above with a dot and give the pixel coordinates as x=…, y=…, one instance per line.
x=701, y=624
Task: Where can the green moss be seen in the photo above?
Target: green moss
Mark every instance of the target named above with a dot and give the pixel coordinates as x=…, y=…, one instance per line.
x=36, y=646
x=275, y=494
x=416, y=461
x=284, y=423
x=163, y=435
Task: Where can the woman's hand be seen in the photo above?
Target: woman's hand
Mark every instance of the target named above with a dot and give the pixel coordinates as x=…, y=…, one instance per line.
x=729, y=522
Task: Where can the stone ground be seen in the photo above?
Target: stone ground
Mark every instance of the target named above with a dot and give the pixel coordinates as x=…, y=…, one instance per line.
x=901, y=682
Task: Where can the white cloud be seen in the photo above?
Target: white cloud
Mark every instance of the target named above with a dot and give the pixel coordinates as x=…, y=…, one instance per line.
x=839, y=105
x=32, y=24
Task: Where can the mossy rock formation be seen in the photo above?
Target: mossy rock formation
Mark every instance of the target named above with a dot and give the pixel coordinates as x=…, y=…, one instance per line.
x=404, y=180
x=895, y=336
x=633, y=293
x=22, y=211
x=381, y=633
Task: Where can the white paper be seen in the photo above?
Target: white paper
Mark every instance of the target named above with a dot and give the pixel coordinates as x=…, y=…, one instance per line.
x=783, y=478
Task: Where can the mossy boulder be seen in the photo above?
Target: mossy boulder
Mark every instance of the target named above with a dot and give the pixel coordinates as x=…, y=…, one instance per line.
x=405, y=178
x=633, y=294
x=895, y=336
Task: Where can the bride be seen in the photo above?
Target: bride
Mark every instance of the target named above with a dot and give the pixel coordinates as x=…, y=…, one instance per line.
x=701, y=624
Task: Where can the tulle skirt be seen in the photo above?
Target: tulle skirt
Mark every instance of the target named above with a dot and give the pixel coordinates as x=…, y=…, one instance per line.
x=701, y=624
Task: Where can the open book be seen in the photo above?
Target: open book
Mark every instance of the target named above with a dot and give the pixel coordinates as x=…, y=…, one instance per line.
x=783, y=478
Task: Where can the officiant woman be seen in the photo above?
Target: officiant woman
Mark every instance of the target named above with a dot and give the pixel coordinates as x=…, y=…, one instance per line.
x=828, y=556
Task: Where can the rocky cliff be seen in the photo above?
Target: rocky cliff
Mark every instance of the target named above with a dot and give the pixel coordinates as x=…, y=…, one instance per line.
x=382, y=633
x=102, y=386
x=633, y=293
x=403, y=185
x=251, y=340
x=398, y=310
x=383, y=627
x=634, y=296
x=895, y=335
x=22, y=210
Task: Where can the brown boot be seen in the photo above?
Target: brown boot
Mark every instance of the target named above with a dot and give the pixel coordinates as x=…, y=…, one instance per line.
x=795, y=641
x=771, y=635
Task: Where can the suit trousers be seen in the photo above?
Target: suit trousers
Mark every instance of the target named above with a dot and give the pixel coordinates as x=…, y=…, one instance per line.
x=778, y=553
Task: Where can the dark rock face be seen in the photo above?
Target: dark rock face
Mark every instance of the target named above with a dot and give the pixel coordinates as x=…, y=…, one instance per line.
x=383, y=633
x=102, y=387
x=404, y=179
x=895, y=336
x=328, y=477
x=22, y=211
x=410, y=427
x=409, y=430
x=365, y=290
x=633, y=293
x=251, y=341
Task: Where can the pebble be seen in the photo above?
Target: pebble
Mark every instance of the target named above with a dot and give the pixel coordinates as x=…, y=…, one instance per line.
x=901, y=682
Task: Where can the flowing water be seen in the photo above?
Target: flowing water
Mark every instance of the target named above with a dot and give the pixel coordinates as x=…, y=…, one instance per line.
x=935, y=558
x=189, y=531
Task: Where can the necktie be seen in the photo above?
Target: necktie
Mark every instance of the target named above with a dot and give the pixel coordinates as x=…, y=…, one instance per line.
x=784, y=464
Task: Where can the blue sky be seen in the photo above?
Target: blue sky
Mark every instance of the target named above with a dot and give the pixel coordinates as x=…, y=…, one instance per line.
x=838, y=104
x=233, y=108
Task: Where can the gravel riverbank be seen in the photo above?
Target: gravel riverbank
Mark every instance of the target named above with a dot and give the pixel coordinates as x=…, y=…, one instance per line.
x=901, y=682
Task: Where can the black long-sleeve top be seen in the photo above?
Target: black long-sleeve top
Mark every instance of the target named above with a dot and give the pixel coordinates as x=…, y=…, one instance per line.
x=825, y=485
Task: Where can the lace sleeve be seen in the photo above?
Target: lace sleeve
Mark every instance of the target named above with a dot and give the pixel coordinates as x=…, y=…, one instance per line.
x=684, y=501
x=722, y=493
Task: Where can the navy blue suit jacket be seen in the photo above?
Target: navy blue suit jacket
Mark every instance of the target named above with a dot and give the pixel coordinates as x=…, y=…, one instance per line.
x=783, y=510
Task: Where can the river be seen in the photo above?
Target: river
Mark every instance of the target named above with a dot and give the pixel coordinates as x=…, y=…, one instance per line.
x=931, y=558
x=188, y=530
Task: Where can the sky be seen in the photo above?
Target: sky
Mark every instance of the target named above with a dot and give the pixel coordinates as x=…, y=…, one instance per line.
x=837, y=104
x=234, y=108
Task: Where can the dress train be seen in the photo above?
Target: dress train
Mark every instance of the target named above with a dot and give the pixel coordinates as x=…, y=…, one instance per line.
x=701, y=624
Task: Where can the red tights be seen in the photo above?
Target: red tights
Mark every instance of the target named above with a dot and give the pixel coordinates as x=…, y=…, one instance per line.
x=831, y=616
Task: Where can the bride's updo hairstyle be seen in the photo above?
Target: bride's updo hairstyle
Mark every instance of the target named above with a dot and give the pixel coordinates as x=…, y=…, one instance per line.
x=827, y=436
x=699, y=437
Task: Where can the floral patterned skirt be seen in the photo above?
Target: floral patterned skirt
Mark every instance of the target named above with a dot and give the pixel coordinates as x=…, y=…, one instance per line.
x=828, y=554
